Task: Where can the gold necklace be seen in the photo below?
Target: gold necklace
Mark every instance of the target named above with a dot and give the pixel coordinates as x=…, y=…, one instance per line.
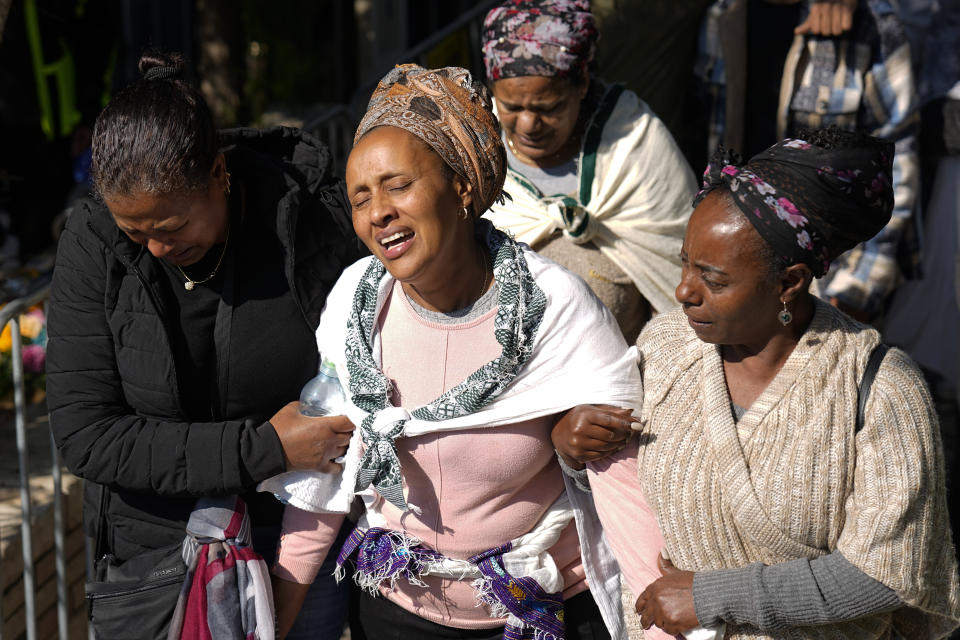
x=517, y=154
x=190, y=284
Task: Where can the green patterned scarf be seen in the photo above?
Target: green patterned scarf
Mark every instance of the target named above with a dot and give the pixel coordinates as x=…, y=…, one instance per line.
x=521, y=307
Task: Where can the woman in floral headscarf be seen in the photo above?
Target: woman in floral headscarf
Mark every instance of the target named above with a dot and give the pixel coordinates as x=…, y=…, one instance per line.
x=460, y=349
x=595, y=180
x=797, y=498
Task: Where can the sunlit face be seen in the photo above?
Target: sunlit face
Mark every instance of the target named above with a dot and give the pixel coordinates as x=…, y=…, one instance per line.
x=725, y=286
x=539, y=115
x=406, y=208
x=178, y=227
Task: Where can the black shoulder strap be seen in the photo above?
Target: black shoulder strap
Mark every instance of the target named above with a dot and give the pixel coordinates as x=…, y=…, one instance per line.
x=863, y=393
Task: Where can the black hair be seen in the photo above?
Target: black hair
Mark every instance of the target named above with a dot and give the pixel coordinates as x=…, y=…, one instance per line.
x=156, y=135
x=579, y=74
x=833, y=137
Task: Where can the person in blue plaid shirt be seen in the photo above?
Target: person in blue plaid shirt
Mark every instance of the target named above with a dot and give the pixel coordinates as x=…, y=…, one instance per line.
x=860, y=79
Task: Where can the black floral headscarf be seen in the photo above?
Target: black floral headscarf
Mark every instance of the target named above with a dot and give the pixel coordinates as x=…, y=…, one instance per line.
x=539, y=38
x=809, y=203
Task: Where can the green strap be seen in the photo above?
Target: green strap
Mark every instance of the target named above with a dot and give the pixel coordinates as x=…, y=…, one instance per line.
x=592, y=138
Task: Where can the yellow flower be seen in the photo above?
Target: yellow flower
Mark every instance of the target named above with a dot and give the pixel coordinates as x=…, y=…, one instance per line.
x=30, y=326
x=5, y=341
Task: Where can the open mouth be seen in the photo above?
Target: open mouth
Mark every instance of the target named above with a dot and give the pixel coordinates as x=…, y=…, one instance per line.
x=396, y=239
x=396, y=244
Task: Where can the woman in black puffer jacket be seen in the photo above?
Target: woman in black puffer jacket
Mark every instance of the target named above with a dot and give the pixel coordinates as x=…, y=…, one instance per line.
x=183, y=310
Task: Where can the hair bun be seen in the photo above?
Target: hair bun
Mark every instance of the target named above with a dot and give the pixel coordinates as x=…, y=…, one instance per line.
x=154, y=65
x=161, y=73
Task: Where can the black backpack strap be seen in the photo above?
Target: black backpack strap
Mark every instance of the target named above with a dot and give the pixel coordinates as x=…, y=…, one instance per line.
x=863, y=393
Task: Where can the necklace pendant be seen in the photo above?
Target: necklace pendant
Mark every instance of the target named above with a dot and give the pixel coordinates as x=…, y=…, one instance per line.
x=189, y=285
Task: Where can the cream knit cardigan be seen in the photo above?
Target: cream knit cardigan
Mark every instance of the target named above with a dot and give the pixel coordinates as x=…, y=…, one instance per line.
x=790, y=480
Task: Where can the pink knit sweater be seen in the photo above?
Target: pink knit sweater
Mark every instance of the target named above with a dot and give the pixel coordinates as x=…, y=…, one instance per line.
x=475, y=488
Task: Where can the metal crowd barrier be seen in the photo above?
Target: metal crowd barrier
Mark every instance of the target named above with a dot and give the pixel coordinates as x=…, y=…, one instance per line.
x=10, y=314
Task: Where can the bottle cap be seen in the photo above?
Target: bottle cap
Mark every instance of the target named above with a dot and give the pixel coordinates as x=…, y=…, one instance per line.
x=327, y=368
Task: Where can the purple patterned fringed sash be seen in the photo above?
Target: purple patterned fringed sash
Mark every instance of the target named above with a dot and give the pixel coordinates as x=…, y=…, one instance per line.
x=524, y=598
x=384, y=555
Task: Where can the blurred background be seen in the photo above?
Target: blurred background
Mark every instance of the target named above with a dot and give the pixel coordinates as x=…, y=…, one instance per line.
x=258, y=62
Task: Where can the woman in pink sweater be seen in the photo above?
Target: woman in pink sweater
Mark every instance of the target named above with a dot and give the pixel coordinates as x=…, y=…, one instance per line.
x=460, y=350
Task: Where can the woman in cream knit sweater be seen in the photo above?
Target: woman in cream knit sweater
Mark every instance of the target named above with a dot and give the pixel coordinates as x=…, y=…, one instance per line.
x=780, y=518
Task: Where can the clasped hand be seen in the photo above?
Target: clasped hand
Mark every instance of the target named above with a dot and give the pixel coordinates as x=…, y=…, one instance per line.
x=668, y=601
x=590, y=432
x=828, y=18
x=311, y=443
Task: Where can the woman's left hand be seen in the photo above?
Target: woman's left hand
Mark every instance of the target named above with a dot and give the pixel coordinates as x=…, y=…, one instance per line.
x=668, y=601
x=590, y=432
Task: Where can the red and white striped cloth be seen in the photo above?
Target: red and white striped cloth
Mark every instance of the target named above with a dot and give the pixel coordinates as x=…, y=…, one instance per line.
x=226, y=594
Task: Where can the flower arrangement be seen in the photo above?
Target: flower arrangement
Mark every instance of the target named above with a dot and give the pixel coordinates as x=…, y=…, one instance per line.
x=33, y=337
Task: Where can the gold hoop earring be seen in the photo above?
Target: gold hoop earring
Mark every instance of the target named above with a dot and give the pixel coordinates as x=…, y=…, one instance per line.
x=226, y=189
x=465, y=213
x=785, y=317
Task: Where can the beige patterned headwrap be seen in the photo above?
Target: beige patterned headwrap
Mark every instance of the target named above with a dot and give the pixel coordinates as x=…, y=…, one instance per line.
x=451, y=113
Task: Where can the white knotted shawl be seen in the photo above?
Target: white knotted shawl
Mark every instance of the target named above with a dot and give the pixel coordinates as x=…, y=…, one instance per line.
x=636, y=190
x=579, y=357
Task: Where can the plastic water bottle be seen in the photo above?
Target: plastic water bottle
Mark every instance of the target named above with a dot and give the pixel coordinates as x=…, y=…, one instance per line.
x=323, y=395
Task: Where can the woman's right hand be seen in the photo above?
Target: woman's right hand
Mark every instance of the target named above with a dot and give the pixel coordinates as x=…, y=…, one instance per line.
x=311, y=443
x=590, y=432
x=668, y=601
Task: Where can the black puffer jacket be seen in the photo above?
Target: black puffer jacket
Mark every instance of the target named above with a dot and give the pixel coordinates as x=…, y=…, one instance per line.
x=113, y=396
